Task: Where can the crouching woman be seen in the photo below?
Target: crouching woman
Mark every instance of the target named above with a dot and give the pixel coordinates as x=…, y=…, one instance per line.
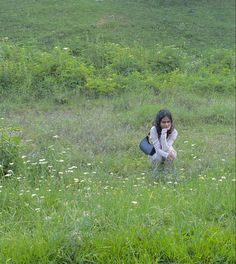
x=162, y=136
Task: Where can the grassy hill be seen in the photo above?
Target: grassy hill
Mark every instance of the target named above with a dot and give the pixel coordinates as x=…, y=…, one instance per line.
x=80, y=85
x=185, y=24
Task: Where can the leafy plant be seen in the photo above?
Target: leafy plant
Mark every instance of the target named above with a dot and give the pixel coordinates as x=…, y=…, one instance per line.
x=10, y=139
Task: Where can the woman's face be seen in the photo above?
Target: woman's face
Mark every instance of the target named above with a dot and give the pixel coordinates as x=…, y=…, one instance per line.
x=165, y=123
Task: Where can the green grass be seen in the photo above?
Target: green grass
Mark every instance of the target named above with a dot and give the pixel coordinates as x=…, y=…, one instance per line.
x=188, y=24
x=78, y=189
x=111, y=209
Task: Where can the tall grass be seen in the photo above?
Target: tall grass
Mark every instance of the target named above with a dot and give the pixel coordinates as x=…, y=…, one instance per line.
x=85, y=193
x=83, y=80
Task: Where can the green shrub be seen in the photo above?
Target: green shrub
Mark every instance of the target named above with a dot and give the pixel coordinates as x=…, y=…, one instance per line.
x=220, y=59
x=167, y=59
x=101, y=85
x=106, y=68
x=10, y=139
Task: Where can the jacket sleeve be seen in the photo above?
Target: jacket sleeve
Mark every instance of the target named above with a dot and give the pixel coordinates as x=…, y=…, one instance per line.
x=166, y=143
x=156, y=143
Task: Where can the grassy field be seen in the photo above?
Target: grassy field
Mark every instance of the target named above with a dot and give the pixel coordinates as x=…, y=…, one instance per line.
x=77, y=189
x=186, y=24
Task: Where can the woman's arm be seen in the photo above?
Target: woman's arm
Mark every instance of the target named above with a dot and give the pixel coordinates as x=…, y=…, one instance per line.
x=166, y=143
x=156, y=143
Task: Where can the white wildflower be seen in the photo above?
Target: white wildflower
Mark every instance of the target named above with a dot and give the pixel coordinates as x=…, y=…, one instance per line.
x=43, y=162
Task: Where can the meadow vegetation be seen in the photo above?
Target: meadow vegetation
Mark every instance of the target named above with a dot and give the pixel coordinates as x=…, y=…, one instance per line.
x=80, y=85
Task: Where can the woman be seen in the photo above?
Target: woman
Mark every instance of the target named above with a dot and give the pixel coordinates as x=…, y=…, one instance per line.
x=162, y=136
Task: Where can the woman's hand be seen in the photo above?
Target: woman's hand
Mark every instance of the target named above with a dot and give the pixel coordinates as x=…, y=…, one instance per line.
x=171, y=156
x=164, y=130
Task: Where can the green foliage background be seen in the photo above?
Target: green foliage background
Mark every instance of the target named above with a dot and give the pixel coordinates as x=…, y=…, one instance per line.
x=82, y=81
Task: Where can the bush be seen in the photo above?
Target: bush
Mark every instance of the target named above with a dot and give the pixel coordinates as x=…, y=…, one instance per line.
x=10, y=139
x=106, y=68
x=167, y=59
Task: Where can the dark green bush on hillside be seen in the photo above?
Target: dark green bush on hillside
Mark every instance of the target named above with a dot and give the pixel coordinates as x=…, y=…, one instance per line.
x=220, y=60
x=166, y=60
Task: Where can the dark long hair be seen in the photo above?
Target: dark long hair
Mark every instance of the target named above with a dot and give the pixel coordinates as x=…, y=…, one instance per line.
x=157, y=123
